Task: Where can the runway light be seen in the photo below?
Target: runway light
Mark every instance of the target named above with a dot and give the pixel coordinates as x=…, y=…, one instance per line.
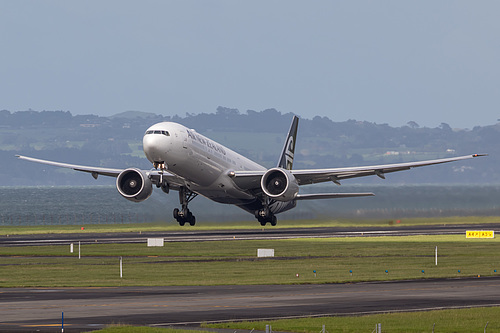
x=459, y=271
x=495, y=270
x=297, y=275
x=423, y=271
x=386, y=271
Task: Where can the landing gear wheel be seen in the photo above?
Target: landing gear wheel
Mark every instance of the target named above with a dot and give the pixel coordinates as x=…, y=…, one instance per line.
x=274, y=220
x=264, y=216
x=192, y=220
x=183, y=215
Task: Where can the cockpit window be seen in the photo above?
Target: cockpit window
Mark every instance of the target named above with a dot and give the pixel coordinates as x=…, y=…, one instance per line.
x=158, y=132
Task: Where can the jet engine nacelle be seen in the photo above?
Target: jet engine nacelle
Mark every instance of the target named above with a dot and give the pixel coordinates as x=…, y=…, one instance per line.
x=279, y=184
x=134, y=185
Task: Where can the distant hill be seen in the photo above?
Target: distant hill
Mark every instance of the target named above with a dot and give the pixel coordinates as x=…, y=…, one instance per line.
x=133, y=115
x=116, y=141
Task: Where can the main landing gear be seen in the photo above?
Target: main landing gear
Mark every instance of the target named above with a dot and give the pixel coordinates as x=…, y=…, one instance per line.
x=265, y=216
x=184, y=215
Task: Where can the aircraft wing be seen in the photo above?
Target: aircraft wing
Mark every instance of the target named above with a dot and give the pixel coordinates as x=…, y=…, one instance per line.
x=251, y=180
x=173, y=180
x=336, y=174
x=95, y=171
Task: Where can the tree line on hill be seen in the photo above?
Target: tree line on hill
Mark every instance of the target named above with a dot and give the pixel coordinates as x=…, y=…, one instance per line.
x=115, y=141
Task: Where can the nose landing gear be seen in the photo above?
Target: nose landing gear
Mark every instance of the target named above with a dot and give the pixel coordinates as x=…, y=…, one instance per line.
x=160, y=165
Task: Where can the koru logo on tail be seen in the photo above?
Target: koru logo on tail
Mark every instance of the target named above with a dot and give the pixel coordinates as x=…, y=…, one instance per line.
x=290, y=145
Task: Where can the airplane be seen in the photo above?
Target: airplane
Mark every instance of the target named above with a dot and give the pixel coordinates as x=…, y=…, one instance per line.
x=192, y=164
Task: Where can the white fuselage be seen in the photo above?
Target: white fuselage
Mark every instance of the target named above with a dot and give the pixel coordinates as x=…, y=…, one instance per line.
x=202, y=163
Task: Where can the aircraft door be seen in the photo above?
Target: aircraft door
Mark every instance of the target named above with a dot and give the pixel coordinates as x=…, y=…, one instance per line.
x=183, y=136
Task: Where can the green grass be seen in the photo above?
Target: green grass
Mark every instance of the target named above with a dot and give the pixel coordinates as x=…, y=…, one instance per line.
x=235, y=262
x=142, y=329
x=445, y=321
x=145, y=227
x=462, y=320
x=88, y=228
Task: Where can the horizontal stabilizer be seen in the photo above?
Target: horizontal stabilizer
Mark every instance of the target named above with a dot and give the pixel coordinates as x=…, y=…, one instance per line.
x=331, y=195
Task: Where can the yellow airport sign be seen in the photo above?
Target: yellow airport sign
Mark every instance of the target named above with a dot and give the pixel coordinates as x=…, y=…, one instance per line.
x=480, y=234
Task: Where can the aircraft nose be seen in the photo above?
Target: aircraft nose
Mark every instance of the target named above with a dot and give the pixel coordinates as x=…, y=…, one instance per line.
x=152, y=145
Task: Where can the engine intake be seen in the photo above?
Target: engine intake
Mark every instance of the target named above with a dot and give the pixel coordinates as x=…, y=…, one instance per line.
x=134, y=185
x=279, y=184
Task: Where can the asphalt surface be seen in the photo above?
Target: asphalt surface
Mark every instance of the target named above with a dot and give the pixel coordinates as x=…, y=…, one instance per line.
x=85, y=309
x=35, y=309
x=193, y=235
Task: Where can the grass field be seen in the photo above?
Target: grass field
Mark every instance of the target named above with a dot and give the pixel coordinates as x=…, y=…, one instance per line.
x=235, y=262
x=445, y=321
x=145, y=227
x=134, y=329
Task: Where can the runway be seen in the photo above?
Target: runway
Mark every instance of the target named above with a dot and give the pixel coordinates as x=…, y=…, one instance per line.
x=30, y=309
x=193, y=235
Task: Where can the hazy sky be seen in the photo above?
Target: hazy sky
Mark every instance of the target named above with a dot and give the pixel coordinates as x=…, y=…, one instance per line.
x=380, y=61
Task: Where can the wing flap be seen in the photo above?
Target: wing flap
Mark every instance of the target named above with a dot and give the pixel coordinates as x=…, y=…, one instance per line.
x=331, y=195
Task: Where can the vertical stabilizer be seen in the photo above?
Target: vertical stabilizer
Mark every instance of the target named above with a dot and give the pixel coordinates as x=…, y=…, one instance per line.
x=286, y=158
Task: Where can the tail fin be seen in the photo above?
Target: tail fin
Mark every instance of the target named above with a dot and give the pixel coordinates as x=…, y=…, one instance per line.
x=286, y=158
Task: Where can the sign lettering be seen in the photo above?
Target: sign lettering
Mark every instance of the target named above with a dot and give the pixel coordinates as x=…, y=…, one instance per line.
x=480, y=234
